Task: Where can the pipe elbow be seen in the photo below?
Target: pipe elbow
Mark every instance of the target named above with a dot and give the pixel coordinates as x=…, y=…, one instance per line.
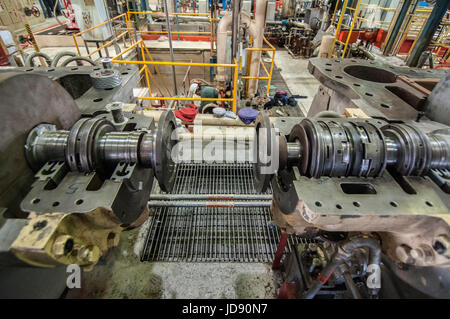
x=224, y=23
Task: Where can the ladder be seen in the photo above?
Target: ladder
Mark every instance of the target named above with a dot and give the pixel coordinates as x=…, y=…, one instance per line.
x=353, y=9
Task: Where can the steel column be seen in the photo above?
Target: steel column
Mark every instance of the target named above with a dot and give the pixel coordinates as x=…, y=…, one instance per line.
x=398, y=24
x=440, y=8
x=169, y=32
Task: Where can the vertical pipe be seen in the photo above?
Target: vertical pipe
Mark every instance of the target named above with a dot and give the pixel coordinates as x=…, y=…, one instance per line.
x=175, y=9
x=398, y=23
x=211, y=36
x=235, y=87
x=260, y=22
x=235, y=28
x=171, y=48
x=425, y=37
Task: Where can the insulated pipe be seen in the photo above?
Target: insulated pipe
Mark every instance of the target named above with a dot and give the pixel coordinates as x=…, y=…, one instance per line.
x=59, y=55
x=222, y=35
x=235, y=28
x=29, y=59
x=255, y=29
x=298, y=24
x=260, y=22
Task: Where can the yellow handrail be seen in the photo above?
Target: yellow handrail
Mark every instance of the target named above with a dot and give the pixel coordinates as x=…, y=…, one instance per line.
x=108, y=43
x=147, y=63
x=171, y=13
x=173, y=32
x=268, y=73
x=74, y=36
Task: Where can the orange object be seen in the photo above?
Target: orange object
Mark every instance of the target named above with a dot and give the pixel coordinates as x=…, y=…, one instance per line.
x=344, y=34
x=278, y=4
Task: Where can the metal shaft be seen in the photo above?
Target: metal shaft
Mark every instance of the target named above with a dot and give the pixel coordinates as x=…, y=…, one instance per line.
x=174, y=197
x=155, y=203
x=293, y=151
x=351, y=148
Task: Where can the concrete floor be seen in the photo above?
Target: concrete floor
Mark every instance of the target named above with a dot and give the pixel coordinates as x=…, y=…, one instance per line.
x=120, y=274
x=299, y=81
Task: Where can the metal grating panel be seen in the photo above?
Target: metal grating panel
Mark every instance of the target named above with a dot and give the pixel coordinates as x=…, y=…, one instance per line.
x=212, y=234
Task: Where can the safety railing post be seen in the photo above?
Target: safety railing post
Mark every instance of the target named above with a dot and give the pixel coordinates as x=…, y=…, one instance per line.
x=234, y=107
x=76, y=44
x=146, y=70
x=270, y=73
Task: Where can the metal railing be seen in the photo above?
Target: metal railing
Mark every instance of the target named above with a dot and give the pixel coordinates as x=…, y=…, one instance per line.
x=140, y=45
x=146, y=63
x=268, y=76
x=356, y=19
x=105, y=45
x=414, y=28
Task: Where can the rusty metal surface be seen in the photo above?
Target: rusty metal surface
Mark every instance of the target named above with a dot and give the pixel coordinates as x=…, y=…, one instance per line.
x=374, y=86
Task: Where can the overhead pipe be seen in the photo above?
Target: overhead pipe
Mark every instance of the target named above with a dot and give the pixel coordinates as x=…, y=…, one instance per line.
x=169, y=33
x=222, y=35
x=235, y=28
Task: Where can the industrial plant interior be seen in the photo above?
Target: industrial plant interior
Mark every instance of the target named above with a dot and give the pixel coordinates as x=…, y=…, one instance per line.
x=235, y=149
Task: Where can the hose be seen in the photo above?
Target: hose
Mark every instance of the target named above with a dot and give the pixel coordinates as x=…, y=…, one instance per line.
x=29, y=59
x=344, y=253
x=59, y=55
x=350, y=284
x=77, y=58
x=328, y=114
